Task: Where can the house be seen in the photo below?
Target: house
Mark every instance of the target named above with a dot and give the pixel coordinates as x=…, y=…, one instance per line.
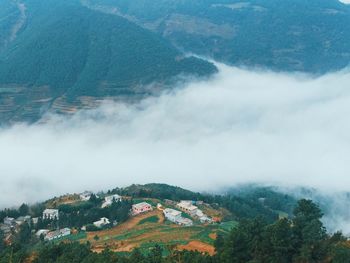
x=9, y=221
x=141, y=208
x=35, y=220
x=57, y=234
x=187, y=207
x=102, y=222
x=216, y=219
x=184, y=222
x=199, y=213
x=6, y=229
x=172, y=214
x=175, y=216
x=85, y=196
x=23, y=219
x=110, y=199
x=50, y=214
x=43, y=232
x=170, y=202
x=205, y=219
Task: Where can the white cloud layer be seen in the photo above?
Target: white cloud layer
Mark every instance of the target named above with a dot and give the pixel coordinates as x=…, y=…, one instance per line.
x=239, y=127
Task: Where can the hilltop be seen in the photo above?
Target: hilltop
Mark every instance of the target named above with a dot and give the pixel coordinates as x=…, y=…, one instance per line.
x=111, y=219
x=138, y=224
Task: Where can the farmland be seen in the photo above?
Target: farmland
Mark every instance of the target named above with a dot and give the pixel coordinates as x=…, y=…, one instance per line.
x=146, y=230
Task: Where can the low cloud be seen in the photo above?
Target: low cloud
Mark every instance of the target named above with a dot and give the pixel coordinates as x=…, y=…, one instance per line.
x=238, y=127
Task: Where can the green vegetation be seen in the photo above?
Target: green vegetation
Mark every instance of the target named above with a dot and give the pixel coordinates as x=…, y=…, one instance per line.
x=298, y=238
x=284, y=35
x=68, y=51
x=302, y=239
x=151, y=219
x=228, y=226
x=242, y=205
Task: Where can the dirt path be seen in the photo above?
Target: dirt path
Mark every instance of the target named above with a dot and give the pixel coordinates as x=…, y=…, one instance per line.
x=129, y=225
x=198, y=246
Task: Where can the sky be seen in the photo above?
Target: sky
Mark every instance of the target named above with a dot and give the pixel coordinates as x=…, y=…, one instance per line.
x=241, y=126
x=345, y=1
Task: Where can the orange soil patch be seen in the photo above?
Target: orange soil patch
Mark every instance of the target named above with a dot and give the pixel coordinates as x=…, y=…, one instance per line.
x=115, y=247
x=131, y=224
x=213, y=236
x=198, y=246
x=31, y=258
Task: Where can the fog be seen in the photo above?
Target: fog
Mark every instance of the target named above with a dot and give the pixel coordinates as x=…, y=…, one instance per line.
x=238, y=127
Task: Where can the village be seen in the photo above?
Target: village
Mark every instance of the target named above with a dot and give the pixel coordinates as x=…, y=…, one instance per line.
x=184, y=213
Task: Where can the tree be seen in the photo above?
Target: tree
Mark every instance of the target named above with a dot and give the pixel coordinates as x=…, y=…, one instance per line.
x=341, y=254
x=136, y=256
x=156, y=255
x=309, y=231
x=2, y=243
x=278, y=247
x=23, y=210
x=24, y=234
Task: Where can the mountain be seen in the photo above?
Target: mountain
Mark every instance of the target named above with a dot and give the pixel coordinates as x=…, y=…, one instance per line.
x=60, y=55
x=289, y=35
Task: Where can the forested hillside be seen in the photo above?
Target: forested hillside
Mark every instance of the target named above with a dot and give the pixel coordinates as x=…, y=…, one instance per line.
x=292, y=35
x=67, y=55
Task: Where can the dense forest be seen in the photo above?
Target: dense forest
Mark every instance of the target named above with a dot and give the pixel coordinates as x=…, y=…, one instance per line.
x=300, y=239
x=297, y=35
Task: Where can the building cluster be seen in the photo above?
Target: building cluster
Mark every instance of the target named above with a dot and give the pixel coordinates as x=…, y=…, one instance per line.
x=52, y=214
x=175, y=216
x=11, y=226
x=189, y=208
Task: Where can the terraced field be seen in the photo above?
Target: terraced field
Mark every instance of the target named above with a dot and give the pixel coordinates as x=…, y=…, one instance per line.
x=147, y=230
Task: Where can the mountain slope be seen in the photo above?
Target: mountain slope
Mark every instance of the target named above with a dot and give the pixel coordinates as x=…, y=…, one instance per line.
x=66, y=53
x=301, y=35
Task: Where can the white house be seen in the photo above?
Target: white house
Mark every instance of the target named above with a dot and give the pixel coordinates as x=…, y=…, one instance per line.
x=6, y=229
x=109, y=200
x=188, y=207
x=35, y=220
x=172, y=214
x=50, y=214
x=57, y=234
x=205, y=219
x=184, y=221
x=199, y=213
x=9, y=221
x=43, y=232
x=102, y=222
x=23, y=219
x=85, y=196
x=141, y=208
x=175, y=217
